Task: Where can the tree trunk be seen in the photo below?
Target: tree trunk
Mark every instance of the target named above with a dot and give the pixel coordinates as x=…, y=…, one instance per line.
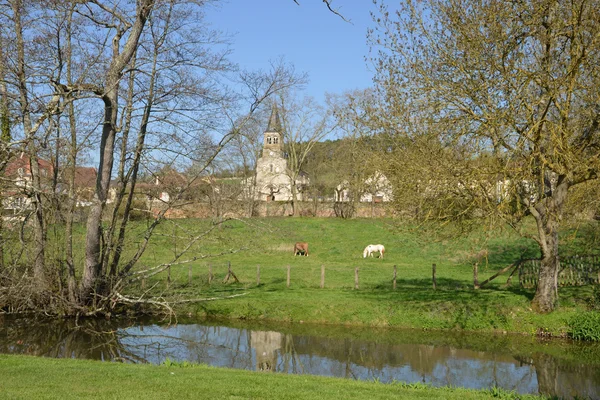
x=547, y=214
x=36, y=196
x=4, y=141
x=71, y=280
x=93, y=265
x=546, y=295
x=294, y=189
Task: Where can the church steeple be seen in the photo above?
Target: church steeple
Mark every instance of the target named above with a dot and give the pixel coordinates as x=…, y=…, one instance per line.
x=273, y=143
x=274, y=122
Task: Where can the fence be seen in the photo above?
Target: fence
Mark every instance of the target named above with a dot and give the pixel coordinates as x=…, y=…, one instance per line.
x=381, y=277
x=573, y=271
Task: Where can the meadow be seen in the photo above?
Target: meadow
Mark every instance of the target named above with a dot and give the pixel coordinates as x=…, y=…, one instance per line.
x=260, y=254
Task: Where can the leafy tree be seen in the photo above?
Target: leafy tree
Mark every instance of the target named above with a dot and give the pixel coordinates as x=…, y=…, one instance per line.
x=357, y=157
x=496, y=106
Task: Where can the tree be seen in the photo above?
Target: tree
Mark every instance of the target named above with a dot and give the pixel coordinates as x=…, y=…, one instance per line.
x=321, y=166
x=4, y=144
x=304, y=123
x=241, y=157
x=356, y=160
x=496, y=107
x=154, y=81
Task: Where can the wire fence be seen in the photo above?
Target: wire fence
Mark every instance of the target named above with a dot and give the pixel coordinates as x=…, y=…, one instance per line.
x=573, y=271
x=215, y=274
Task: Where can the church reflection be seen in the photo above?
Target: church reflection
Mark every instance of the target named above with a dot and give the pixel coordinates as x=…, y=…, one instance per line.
x=266, y=345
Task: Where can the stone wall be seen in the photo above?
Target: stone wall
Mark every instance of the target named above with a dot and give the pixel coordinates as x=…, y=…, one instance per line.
x=273, y=209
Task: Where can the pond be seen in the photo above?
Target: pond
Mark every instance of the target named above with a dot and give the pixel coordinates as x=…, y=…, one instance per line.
x=522, y=364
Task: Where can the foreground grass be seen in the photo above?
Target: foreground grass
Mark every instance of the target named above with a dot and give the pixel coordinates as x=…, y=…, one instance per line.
x=47, y=378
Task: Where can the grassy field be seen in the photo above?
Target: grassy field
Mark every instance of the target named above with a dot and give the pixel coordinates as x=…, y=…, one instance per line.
x=35, y=378
x=336, y=245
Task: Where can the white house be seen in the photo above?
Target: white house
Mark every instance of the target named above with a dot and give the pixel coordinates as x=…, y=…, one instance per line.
x=375, y=189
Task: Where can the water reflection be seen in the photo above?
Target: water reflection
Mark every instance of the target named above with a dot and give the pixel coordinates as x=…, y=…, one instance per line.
x=522, y=365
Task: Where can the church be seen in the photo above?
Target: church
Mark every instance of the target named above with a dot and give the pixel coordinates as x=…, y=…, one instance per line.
x=273, y=181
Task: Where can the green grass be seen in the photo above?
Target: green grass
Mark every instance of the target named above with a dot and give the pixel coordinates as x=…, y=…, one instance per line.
x=46, y=378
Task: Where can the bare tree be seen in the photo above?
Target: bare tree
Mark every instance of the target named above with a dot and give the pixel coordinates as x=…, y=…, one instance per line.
x=304, y=123
x=243, y=154
x=496, y=107
x=30, y=75
x=5, y=138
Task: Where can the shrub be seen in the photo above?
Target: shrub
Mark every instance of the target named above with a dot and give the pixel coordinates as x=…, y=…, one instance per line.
x=585, y=326
x=594, y=300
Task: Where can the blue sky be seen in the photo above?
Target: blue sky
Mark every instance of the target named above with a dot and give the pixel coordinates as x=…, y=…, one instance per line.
x=310, y=37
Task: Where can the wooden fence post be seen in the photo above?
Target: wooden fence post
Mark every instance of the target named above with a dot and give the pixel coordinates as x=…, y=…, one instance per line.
x=168, y=276
x=257, y=274
x=395, y=273
x=143, y=283
x=230, y=274
x=476, y=275
x=288, y=276
x=189, y=274
x=433, y=266
x=356, y=278
x=210, y=275
x=322, y=276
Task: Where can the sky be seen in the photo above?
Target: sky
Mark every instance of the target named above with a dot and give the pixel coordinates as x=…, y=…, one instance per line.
x=309, y=36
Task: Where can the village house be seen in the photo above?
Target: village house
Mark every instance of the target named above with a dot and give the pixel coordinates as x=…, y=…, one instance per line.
x=375, y=189
x=18, y=183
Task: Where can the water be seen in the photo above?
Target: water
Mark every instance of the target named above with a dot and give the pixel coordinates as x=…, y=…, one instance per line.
x=524, y=365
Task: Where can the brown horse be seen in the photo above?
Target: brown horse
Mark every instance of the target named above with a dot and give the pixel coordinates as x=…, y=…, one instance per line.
x=301, y=248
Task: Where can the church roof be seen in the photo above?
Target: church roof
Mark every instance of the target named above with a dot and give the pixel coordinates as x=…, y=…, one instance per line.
x=274, y=122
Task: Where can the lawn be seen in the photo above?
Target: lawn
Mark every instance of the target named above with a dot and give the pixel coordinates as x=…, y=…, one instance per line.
x=35, y=378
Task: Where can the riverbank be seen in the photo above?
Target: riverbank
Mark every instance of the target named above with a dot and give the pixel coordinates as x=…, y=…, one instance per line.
x=453, y=310
x=34, y=378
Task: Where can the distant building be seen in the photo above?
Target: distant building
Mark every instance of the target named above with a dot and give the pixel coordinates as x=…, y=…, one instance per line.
x=378, y=189
x=17, y=188
x=273, y=181
x=375, y=189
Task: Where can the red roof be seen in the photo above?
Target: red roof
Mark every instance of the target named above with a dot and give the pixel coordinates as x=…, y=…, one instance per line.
x=13, y=166
x=85, y=177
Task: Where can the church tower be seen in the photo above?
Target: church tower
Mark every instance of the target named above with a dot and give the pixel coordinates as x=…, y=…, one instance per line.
x=273, y=142
x=272, y=178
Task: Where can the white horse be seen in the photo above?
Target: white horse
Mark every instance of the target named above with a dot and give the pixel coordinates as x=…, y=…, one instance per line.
x=373, y=248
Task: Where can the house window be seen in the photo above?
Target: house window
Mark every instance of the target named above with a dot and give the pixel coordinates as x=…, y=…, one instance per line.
x=21, y=171
x=271, y=167
x=268, y=139
x=275, y=140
